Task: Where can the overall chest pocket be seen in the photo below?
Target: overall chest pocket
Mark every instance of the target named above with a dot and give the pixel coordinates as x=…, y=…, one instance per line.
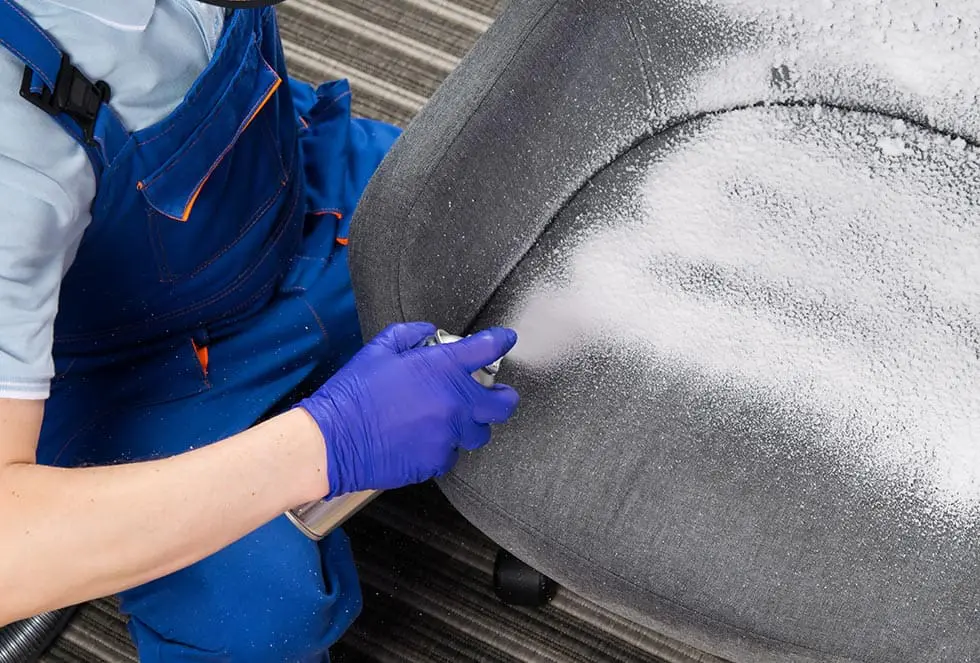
x=217, y=198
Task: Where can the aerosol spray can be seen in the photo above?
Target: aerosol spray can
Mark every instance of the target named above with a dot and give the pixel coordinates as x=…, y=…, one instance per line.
x=317, y=519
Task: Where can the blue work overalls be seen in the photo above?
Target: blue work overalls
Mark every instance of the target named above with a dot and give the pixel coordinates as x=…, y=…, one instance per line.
x=210, y=289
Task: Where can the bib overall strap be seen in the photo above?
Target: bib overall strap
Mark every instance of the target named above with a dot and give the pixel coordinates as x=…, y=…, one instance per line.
x=53, y=84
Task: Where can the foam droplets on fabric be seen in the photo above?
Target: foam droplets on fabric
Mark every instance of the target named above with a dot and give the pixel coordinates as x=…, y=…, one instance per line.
x=906, y=57
x=824, y=260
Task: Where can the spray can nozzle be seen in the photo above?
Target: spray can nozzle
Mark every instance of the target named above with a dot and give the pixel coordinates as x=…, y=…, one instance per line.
x=487, y=376
x=318, y=518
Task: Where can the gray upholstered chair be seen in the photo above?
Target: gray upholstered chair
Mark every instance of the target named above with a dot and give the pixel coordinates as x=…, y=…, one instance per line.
x=740, y=241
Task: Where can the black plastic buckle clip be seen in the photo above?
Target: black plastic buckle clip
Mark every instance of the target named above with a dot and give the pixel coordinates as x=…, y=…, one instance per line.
x=73, y=94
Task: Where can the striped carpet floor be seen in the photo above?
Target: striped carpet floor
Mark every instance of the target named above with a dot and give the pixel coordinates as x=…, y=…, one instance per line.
x=394, y=52
x=426, y=572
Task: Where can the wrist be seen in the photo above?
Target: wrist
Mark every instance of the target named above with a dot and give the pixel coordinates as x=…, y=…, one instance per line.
x=332, y=428
x=311, y=480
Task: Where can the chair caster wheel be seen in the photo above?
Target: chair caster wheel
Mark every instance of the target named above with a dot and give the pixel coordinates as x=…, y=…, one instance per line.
x=516, y=583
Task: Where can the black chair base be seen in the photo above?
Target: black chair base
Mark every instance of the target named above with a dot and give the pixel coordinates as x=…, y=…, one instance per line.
x=516, y=583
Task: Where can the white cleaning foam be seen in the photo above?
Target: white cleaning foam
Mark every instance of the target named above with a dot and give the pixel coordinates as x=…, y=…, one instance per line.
x=823, y=260
x=908, y=56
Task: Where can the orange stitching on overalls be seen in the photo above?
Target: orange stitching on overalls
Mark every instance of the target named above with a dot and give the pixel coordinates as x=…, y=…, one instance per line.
x=321, y=212
x=77, y=338
x=271, y=136
x=190, y=100
x=334, y=101
x=255, y=110
x=194, y=94
x=201, y=132
x=164, y=265
x=244, y=231
x=323, y=328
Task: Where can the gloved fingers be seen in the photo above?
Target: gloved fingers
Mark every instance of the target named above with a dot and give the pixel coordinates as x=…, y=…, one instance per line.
x=402, y=337
x=496, y=405
x=473, y=434
x=482, y=348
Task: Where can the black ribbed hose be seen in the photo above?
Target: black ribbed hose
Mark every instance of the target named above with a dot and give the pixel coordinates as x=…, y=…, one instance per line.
x=25, y=641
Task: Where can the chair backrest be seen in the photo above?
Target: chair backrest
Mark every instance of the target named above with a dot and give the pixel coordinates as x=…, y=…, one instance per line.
x=739, y=239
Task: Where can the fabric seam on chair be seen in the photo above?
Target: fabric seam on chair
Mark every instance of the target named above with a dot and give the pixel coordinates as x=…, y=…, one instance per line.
x=680, y=122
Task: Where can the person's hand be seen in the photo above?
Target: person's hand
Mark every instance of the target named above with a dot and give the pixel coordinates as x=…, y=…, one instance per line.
x=399, y=411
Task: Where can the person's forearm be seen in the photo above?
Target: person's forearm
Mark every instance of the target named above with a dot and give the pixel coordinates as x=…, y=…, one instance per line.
x=71, y=535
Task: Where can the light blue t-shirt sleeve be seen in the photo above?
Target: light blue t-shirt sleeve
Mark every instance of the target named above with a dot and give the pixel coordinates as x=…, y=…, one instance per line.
x=150, y=51
x=46, y=183
x=38, y=231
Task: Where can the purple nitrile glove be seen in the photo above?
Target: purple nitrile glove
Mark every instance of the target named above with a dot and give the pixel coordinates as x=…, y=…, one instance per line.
x=398, y=413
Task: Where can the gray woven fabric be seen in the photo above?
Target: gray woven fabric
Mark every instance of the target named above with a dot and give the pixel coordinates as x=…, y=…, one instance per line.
x=427, y=573
x=755, y=437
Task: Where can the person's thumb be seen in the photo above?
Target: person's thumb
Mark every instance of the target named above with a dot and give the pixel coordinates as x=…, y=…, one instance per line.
x=402, y=337
x=482, y=348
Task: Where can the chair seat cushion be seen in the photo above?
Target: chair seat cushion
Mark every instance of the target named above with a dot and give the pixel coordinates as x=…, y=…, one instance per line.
x=739, y=241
